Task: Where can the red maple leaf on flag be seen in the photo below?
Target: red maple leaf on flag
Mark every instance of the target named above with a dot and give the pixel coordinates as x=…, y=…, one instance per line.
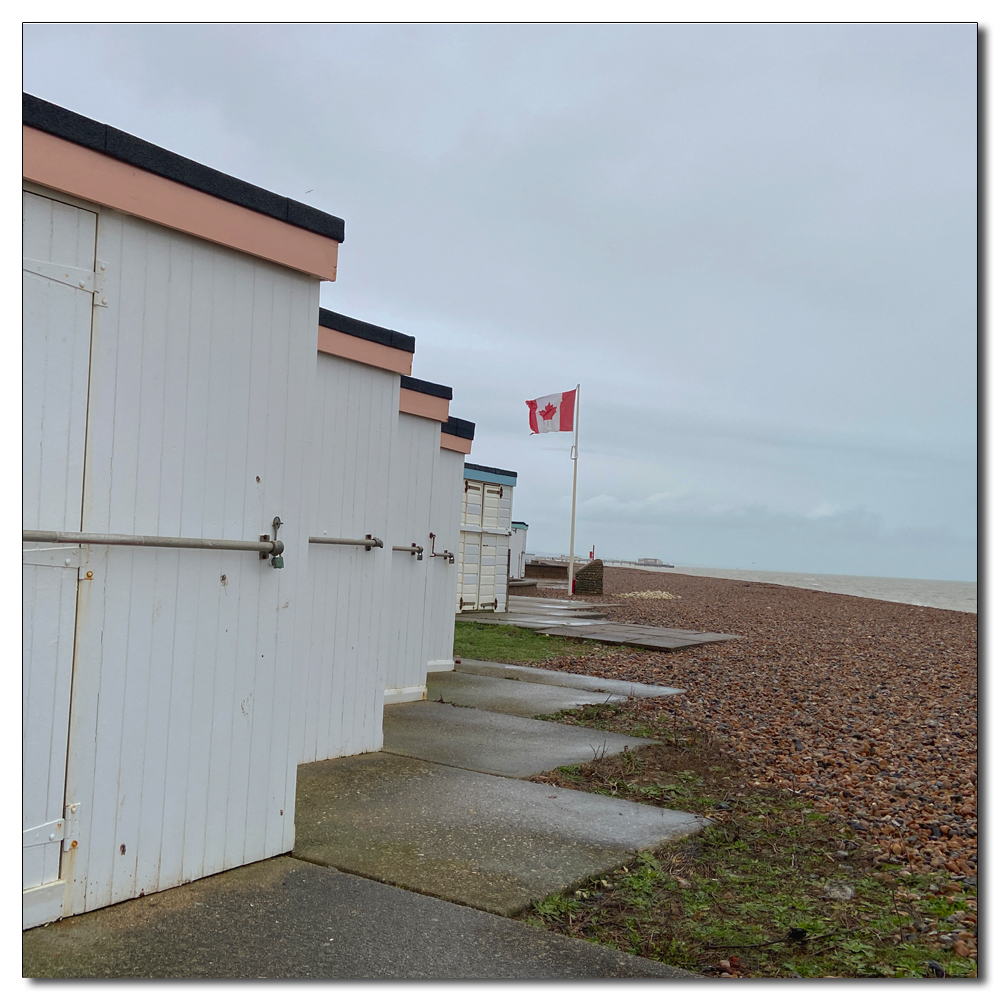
x=548, y=413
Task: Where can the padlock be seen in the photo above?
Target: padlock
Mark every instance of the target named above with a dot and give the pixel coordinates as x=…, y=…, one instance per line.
x=278, y=562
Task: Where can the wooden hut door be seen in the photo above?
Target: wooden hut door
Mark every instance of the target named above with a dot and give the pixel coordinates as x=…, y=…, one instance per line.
x=491, y=556
x=470, y=552
x=58, y=285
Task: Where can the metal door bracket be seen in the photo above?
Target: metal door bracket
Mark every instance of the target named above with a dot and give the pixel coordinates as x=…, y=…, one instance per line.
x=72, y=835
x=47, y=833
x=277, y=560
x=450, y=556
x=79, y=278
x=60, y=556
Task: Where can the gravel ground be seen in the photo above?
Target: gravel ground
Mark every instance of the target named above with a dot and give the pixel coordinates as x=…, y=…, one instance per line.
x=868, y=708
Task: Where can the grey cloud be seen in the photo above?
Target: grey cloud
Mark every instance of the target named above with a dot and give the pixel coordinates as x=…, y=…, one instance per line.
x=753, y=245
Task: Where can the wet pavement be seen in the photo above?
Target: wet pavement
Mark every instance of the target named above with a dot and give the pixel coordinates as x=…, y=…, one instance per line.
x=284, y=918
x=441, y=813
x=557, y=678
x=581, y=620
x=493, y=742
x=493, y=843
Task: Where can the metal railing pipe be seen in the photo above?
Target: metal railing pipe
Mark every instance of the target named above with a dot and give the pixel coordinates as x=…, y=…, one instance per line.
x=414, y=549
x=274, y=547
x=369, y=541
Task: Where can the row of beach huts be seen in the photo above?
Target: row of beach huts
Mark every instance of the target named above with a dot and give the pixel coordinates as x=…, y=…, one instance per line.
x=247, y=527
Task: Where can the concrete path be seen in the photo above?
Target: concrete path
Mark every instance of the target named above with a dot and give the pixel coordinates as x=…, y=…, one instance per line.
x=559, y=678
x=492, y=843
x=491, y=742
x=622, y=634
x=442, y=814
x=517, y=602
x=529, y=691
x=582, y=620
x=509, y=697
x=285, y=918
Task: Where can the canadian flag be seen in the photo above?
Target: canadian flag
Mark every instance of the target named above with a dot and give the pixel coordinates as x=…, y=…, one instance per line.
x=552, y=413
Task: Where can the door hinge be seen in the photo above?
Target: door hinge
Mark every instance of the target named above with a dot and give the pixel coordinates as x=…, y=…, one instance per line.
x=71, y=837
x=79, y=278
x=47, y=833
x=66, y=829
x=60, y=556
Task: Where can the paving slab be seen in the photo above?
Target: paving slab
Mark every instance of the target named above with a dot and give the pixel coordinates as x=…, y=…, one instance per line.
x=491, y=742
x=641, y=636
x=496, y=844
x=583, y=620
x=285, y=918
x=509, y=697
x=559, y=678
x=517, y=602
x=541, y=616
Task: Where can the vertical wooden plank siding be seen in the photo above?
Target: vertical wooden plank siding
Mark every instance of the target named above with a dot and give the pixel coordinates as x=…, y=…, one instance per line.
x=353, y=424
x=446, y=518
x=56, y=359
x=181, y=750
x=469, y=556
x=411, y=491
x=504, y=507
x=482, y=577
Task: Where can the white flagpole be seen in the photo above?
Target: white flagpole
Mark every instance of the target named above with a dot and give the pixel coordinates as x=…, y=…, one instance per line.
x=574, y=455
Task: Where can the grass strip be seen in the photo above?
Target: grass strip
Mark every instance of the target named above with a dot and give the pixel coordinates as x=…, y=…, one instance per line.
x=772, y=889
x=510, y=644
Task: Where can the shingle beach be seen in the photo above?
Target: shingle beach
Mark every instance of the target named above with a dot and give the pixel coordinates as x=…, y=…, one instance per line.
x=865, y=707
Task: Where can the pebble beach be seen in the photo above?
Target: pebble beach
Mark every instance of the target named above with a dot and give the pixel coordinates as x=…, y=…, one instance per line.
x=866, y=707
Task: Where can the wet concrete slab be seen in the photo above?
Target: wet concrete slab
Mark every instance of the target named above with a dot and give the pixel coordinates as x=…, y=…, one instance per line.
x=539, y=675
x=509, y=697
x=286, y=918
x=491, y=742
x=492, y=843
x=622, y=634
x=582, y=620
x=516, y=603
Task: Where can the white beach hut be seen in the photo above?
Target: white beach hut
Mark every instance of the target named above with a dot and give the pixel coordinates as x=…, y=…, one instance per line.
x=483, y=556
x=352, y=530
x=169, y=375
x=446, y=510
x=518, y=544
x=426, y=494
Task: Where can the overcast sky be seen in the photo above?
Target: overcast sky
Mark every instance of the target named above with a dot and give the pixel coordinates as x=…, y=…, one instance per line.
x=753, y=245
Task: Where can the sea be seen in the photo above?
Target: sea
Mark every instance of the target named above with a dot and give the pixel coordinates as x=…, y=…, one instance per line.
x=952, y=595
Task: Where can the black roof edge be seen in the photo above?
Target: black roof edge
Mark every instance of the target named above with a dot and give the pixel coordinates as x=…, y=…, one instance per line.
x=367, y=331
x=459, y=428
x=65, y=124
x=427, y=388
x=489, y=468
